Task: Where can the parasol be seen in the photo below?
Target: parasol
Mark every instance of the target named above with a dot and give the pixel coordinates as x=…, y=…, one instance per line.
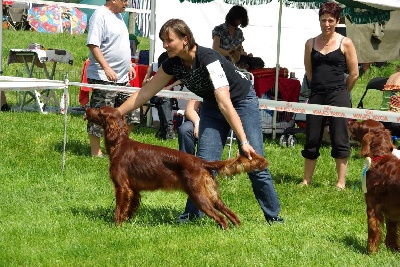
x=74, y=21
x=45, y=18
x=55, y=18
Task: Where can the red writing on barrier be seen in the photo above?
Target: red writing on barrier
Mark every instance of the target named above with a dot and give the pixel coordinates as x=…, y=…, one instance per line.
x=290, y=109
x=337, y=114
x=360, y=116
x=329, y=112
x=320, y=112
x=266, y=107
x=299, y=110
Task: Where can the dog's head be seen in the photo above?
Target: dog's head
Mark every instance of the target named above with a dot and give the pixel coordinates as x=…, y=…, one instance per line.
x=358, y=129
x=377, y=143
x=106, y=117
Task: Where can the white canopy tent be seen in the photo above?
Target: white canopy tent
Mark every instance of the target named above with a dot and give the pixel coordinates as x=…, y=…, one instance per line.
x=260, y=35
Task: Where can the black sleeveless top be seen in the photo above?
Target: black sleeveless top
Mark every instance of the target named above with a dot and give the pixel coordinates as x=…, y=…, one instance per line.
x=328, y=71
x=198, y=79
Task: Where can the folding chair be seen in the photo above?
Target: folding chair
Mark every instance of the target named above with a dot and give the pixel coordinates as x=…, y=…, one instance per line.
x=376, y=83
x=17, y=18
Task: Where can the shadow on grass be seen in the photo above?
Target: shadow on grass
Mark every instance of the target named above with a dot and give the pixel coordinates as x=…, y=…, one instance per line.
x=148, y=216
x=350, y=241
x=95, y=214
x=75, y=147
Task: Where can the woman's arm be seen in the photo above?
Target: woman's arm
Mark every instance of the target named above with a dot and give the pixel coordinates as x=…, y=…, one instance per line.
x=215, y=46
x=352, y=63
x=192, y=115
x=307, y=59
x=226, y=107
x=150, y=89
x=171, y=86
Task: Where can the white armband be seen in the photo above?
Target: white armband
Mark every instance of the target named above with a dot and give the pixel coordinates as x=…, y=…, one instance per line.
x=217, y=75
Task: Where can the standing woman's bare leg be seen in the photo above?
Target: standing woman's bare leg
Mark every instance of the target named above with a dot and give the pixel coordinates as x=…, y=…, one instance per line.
x=341, y=168
x=309, y=167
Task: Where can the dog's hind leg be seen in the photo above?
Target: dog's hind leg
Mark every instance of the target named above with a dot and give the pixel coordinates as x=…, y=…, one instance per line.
x=204, y=195
x=207, y=206
x=392, y=235
x=220, y=205
x=134, y=204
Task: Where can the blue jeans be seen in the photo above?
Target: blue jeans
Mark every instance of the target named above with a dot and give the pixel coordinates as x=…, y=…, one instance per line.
x=213, y=133
x=186, y=139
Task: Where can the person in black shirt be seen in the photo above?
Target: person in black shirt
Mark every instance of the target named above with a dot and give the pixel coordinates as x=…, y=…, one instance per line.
x=229, y=102
x=326, y=58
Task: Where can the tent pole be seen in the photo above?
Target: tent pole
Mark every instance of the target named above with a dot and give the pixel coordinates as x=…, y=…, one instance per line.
x=278, y=51
x=152, y=30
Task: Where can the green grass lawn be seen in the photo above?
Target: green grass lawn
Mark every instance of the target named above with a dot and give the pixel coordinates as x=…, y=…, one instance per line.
x=50, y=217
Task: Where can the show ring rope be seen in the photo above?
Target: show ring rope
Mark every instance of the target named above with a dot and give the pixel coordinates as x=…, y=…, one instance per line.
x=25, y=84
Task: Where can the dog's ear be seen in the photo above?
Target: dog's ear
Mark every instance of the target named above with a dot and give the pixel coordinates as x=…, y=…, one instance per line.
x=365, y=144
x=388, y=140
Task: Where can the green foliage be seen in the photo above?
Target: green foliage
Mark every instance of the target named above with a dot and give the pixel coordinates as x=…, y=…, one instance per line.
x=381, y=70
x=76, y=44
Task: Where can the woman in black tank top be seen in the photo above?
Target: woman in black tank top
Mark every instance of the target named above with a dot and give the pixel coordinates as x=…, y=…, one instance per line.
x=326, y=58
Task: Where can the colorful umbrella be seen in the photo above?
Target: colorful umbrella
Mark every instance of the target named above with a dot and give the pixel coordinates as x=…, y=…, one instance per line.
x=74, y=21
x=57, y=19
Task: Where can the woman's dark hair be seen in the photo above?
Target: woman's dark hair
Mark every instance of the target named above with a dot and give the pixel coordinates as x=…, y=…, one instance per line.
x=330, y=8
x=237, y=12
x=180, y=28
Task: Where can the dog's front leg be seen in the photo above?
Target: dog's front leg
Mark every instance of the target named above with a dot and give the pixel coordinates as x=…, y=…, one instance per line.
x=123, y=197
x=374, y=230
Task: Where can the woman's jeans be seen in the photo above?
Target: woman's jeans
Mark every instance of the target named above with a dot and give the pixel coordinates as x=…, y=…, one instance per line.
x=186, y=139
x=213, y=134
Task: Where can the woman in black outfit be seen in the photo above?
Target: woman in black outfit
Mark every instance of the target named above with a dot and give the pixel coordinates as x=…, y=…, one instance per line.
x=325, y=59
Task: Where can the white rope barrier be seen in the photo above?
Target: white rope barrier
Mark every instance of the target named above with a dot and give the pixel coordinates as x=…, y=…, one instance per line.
x=28, y=86
x=294, y=107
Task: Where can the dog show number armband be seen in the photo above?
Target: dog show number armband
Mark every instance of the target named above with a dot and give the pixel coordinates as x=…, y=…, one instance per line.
x=217, y=75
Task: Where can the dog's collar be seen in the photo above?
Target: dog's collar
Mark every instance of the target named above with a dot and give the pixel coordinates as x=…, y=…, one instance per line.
x=367, y=164
x=376, y=158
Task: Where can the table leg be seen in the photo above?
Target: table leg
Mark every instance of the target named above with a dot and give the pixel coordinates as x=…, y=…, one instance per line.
x=43, y=97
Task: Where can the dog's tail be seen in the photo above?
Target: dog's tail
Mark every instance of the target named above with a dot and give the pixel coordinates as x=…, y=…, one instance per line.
x=237, y=165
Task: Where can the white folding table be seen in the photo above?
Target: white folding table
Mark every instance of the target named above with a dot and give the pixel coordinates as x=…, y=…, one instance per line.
x=39, y=58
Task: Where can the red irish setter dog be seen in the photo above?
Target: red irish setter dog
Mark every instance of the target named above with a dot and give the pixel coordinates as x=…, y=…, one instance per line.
x=358, y=129
x=383, y=190
x=135, y=166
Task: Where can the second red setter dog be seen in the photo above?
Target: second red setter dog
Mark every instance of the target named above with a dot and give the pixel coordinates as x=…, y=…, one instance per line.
x=358, y=129
x=136, y=166
x=383, y=190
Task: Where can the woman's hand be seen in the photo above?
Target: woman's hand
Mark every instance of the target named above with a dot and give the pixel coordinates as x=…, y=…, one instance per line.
x=247, y=149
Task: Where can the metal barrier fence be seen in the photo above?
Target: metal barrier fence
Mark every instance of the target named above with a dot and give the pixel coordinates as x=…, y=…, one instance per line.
x=73, y=76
